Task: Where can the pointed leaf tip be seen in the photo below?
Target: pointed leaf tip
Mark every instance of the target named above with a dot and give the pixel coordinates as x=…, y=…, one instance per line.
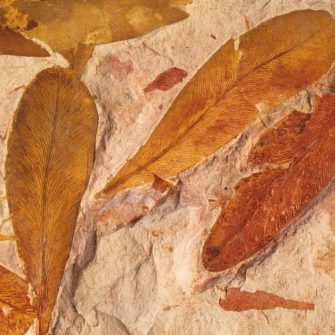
x=225, y=95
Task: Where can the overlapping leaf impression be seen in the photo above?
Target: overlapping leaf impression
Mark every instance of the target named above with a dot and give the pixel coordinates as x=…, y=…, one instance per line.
x=16, y=310
x=243, y=79
x=52, y=143
x=64, y=25
x=301, y=150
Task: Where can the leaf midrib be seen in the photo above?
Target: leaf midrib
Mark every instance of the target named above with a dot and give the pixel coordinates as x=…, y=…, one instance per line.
x=202, y=115
x=44, y=200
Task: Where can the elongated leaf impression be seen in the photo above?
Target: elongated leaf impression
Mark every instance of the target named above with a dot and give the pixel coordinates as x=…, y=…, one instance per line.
x=50, y=157
x=238, y=301
x=242, y=79
x=266, y=203
x=16, y=312
x=12, y=43
x=64, y=24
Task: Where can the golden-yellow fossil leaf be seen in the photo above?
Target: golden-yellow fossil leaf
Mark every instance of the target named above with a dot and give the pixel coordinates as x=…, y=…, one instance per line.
x=64, y=24
x=16, y=312
x=50, y=156
x=242, y=80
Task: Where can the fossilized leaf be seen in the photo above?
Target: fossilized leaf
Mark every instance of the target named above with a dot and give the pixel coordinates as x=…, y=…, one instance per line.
x=238, y=301
x=64, y=24
x=16, y=312
x=12, y=43
x=50, y=156
x=267, y=202
x=243, y=79
x=166, y=80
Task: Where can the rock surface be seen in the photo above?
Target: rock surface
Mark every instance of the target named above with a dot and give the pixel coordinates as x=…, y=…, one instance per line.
x=135, y=266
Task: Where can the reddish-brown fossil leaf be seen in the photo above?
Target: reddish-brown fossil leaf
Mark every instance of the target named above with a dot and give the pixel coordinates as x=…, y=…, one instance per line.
x=50, y=156
x=265, y=203
x=12, y=43
x=16, y=312
x=238, y=301
x=166, y=80
x=267, y=65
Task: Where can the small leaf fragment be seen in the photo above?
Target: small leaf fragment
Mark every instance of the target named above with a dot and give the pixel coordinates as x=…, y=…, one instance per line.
x=166, y=80
x=16, y=312
x=14, y=44
x=266, y=203
x=50, y=156
x=228, y=92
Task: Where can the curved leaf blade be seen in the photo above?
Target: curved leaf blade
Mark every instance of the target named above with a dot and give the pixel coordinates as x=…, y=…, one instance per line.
x=64, y=25
x=16, y=312
x=266, y=203
x=224, y=97
x=50, y=157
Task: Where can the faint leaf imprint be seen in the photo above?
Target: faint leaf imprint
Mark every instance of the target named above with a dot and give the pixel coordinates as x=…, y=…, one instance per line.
x=269, y=65
x=50, y=157
x=16, y=311
x=266, y=203
x=238, y=301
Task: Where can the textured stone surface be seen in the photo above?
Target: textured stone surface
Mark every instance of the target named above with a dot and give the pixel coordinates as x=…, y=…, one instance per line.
x=135, y=266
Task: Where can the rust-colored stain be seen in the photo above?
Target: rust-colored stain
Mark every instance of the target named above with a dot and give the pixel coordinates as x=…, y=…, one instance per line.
x=116, y=67
x=266, y=203
x=167, y=80
x=237, y=301
x=161, y=185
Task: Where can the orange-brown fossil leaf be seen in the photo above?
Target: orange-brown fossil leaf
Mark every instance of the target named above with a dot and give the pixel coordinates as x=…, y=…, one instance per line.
x=262, y=69
x=265, y=203
x=238, y=301
x=12, y=43
x=16, y=312
x=50, y=156
x=64, y=24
